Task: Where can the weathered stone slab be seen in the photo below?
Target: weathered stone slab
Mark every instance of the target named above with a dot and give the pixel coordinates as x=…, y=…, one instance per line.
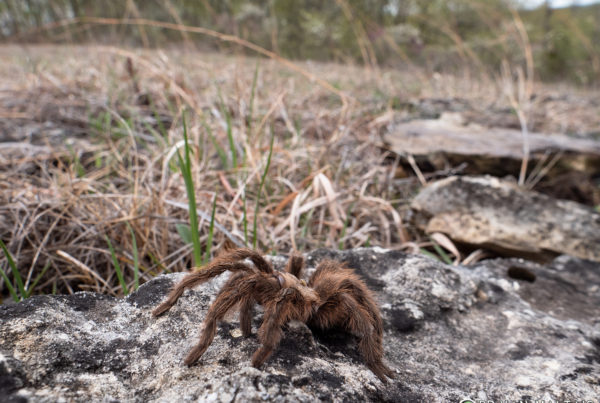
x=451, y=333
x=428, y=136
x=495, y=214
x=562, y=166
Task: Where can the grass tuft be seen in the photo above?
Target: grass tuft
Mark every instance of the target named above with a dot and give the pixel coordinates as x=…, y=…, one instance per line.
x=251, y=103
x=136, y=263
x=15, y=273
x=262, y=182
x=211, y=228
x=37, y=279
x=229, y=130
x=68, y=198
x=185, y=165
x=117, y=267
x=245, y=217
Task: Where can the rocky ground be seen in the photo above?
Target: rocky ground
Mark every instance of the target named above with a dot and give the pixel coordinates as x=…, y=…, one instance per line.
x=502, y=329
x=87, y=142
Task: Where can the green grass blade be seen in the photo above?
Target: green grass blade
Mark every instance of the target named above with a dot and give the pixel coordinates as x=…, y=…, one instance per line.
x=210, y=231
x=186, y=171
x=304, y=223
x=228, y=123
x=76, y=162
x=117, y=267
x=159, y=139
x=234, y=162
x=345, y=228
x=245, y=218
x=157, y=263
x=185, y=233
x=220, y=151
x=429, y=254
x=15, y=271
x=443, y=255
x=37, y=279
x=136, y=262
x=252, y=94
x=161, y=127
x=262, y=182
x=11, y=289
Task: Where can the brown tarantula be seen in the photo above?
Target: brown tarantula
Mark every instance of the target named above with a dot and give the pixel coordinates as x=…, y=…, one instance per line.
x=334, y=297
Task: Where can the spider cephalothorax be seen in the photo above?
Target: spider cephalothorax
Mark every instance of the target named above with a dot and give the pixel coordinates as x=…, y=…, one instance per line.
x=334, y=297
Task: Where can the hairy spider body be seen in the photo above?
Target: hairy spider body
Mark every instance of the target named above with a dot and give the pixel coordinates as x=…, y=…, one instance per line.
x=334, y=297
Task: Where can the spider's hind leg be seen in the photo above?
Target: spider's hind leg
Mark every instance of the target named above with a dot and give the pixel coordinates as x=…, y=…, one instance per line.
x=349, y=303
x=368, y=328
x=371, y=349
x=294, y=265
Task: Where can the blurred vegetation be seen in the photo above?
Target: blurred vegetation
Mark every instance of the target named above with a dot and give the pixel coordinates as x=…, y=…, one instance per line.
x=434, y=34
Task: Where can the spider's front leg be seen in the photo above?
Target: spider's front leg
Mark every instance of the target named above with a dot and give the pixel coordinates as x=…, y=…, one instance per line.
x=289, y=304
x=196, y=278
x=235, y=289
x=228, y=261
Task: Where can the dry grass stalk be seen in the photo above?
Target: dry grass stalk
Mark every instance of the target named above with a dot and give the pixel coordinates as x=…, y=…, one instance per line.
x=520, y=104
x=95, y=151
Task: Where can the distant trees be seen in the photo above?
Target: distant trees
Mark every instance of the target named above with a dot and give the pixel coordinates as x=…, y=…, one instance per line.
x=438, y=34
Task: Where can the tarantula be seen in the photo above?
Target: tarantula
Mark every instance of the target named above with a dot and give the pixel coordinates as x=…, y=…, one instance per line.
x=334, y=297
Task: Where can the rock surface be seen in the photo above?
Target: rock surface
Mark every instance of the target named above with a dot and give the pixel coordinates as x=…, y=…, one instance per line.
x=504, y=329
x=495, y=214
x=571, y=164
x=449, y=135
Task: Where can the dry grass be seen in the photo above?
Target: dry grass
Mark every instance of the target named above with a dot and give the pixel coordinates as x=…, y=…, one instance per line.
x=90, y=143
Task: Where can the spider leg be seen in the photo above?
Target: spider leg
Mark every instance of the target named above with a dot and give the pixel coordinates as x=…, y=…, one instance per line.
x=344, y=310
x=324, y=270
x=294, y=265
x=349, y=303
x=369, y=330
x=246, y=306
x=204, y=274
x=289, y=305
x=228, y=297
x=245, y=253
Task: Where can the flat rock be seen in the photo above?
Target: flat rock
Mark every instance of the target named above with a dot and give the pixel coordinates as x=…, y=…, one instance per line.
x=571, y=164
x=496, y=214
x=449, y=135
x=451, y=333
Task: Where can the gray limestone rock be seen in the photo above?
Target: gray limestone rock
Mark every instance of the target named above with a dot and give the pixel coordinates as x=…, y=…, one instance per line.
x=503, y=329
x=449, y=135
x=498, y=215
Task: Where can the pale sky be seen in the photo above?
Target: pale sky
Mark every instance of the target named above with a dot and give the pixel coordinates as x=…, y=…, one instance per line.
x=557, y=3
